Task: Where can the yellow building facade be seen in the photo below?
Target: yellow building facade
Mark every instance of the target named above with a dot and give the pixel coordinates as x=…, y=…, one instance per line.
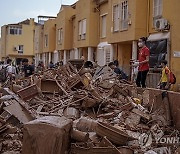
x=18, y=40
x=38, y=42
x=107, y=30
x=49, y=41
x=163, y=27
x=86, y=23
x=64, y=34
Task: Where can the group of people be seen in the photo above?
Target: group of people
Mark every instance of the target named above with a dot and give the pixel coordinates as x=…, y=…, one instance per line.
x=56, y=65
x=143, y=68
x=141, y=65
x=9, y=71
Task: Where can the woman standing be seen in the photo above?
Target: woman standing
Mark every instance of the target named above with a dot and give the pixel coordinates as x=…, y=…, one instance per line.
x=143, y=63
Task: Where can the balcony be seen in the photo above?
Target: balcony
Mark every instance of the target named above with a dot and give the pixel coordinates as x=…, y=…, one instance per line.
x=99, y=2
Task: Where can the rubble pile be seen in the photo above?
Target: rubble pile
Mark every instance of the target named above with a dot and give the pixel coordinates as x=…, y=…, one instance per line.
x=94, y=111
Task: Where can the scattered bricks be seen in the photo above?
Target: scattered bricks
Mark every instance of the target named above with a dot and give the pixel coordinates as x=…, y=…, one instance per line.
x=79, y=136
x=126, y=150
x=89, y=102
x=16, y=88
x=106, y=105
x=49, y=86
x=146, y=98
x=131, y=101
x=133, y=144
x=132, y=120
x=141, y=113
x=120, y=90
x=71, y=113
x=143, y=127
x=94, y=137
x=21, y=113
x=28, y=92
x=115, y=135
x=83, y=149
x=107, y=84
x=135, y=135
x=127, y=107
x=106, y=143
x=106, y=116
x=86, y=124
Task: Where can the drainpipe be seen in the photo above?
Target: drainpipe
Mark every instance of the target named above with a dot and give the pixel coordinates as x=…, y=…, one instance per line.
x=148, y=15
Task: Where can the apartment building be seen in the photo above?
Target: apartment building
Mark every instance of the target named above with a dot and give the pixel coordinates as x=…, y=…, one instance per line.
x=38, y=42
x=86, y=30
x=163, y=34
x=107, y=30
x=49, y=41
x=18, y=40
x=64, y=34
x=105, y=52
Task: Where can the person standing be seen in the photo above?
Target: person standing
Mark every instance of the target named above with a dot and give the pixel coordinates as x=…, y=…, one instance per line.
x=143, y=63
x=164, y=82
x=28, y=69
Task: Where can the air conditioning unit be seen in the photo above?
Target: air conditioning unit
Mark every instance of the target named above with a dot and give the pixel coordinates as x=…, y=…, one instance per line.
x=161, y=24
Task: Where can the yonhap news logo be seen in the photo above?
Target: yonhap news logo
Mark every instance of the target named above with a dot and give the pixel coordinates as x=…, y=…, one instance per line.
x=156, y=135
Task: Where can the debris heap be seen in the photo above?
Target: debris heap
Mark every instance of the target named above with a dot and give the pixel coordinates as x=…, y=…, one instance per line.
x=77, y=111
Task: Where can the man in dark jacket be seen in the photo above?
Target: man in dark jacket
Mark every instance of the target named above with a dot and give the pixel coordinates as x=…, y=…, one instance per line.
x=27, y=69
x=118, y=71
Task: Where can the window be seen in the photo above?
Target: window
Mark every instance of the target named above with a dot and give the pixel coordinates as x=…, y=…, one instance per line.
x=60, y=36
x=124, y=15
x=45, y=40
x=103, y=30
x=15, y=30
x=82, y=29
x=116, y=18
x=157, y=10
x=20, y=49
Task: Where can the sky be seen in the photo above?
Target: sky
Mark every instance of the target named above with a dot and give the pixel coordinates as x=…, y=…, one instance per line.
x=14, y=11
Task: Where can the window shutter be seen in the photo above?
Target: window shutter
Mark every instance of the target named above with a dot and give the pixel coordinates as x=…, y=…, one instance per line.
x=103, y=26
x=157, y=8
x=80, y=27
x=84, y=26
x=116, y=17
